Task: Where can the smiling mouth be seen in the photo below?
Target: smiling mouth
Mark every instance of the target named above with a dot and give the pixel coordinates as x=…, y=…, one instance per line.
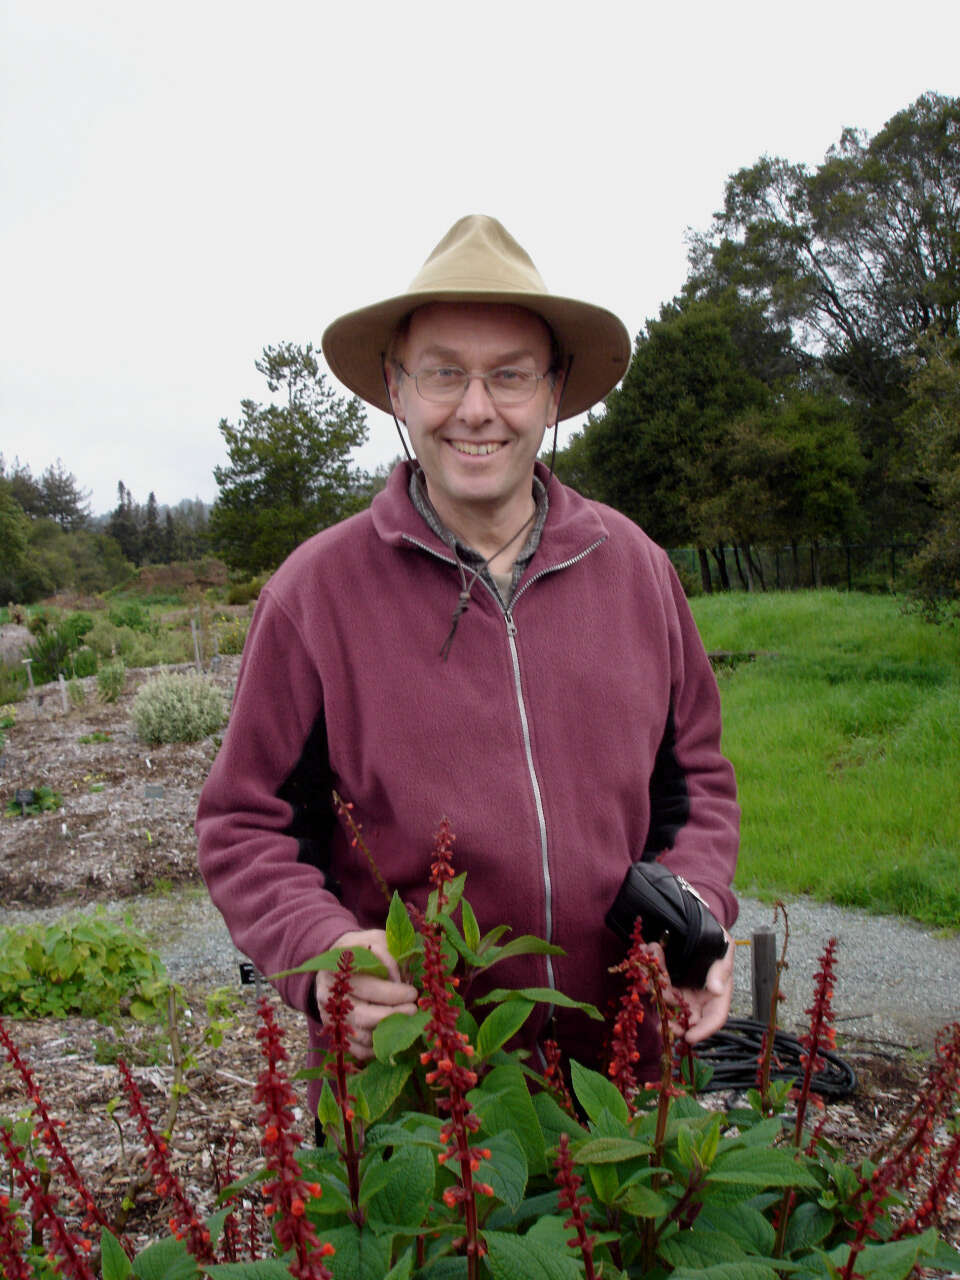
x=475, y=450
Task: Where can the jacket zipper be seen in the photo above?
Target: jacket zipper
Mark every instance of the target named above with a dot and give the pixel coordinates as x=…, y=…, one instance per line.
x=527, y=745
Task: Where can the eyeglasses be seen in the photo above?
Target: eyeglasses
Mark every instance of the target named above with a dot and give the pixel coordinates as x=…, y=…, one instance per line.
x=448, y=384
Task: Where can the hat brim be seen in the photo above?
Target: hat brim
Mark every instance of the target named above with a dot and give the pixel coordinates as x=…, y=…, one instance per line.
x=354, y=345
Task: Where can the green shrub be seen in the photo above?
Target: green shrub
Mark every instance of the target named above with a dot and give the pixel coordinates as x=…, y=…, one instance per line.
x=132, y=615
x=177, y=708
x=45, y=800
x=232, y=636
x=244, y=592
x=76, y=693
x=13, y=682
x=110, y=681
x=91, y=966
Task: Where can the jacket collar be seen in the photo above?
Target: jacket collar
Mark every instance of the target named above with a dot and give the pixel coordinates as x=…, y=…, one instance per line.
x=573, y=524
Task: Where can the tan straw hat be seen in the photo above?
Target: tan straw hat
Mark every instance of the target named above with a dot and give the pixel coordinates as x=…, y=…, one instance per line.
x=479, y=261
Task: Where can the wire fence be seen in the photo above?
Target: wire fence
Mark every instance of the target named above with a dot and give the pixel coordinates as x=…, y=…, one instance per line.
x=855, y=567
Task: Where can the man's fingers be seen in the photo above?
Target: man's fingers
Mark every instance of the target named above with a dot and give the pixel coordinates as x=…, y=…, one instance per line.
x=364, y=1017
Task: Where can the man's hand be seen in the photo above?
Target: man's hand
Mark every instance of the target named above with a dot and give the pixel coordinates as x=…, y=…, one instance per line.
x=710, y=1005
x=373, y=998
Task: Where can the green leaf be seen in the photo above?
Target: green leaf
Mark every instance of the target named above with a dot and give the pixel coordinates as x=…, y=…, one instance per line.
x=401, y=935
x=533, y=1207
x=376, y=1176
x=605, y=1182
x=453, y=893
x=759, y=1167
x=510, y=1257
x=380, y=1084
x=610, y=1150
x=115, y=1263
x=498, y=1026
x=526, y=945
x=595, y=1093
x=403, y=1200
x=540, y=995
x=264, y=1269
x=328, y=1109
x=398, y=1031
x=165, y=1260
x=746, y=1224
x=506, y=1170
x=744, y=1270
x=502, y=1102
x=699, y=1248
x=641, y=1201
x=360, y=1255
x=490, y=939
x=808, y=1225
x=364, y=961
x=402, y=1269
x=471, y=930
x=554, y=1120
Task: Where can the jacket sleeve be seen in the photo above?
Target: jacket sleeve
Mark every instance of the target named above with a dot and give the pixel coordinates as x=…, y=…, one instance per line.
x=694, y=816
x=262, y=809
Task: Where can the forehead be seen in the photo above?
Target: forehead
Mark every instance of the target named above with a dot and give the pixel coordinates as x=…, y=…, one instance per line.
x=486, y=329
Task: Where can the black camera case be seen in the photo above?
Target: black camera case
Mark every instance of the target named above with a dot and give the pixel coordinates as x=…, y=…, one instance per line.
x=673, y=914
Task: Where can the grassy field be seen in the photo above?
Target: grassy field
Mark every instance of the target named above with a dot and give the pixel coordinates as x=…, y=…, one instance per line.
x=845, y=735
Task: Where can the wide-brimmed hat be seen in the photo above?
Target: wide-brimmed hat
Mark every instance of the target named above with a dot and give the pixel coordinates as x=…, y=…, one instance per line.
x=479, y=261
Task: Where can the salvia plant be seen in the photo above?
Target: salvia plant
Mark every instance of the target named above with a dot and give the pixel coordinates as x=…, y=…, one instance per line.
x=448, y=1156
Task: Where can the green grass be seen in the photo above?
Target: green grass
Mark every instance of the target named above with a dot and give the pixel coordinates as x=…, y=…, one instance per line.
x=845, y=735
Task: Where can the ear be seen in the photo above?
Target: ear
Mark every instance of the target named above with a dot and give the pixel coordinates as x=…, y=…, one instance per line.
x=393, y=386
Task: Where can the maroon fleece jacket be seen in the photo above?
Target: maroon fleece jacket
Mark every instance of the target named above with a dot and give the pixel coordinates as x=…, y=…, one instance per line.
x=562, y=739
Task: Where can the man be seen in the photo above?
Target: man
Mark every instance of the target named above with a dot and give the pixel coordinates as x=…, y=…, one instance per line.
x=481, y=644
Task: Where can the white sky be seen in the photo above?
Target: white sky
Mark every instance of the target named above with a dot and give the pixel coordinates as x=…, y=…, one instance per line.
x=184, y=183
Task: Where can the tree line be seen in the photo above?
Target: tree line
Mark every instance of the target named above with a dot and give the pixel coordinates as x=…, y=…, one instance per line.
x=804, y=386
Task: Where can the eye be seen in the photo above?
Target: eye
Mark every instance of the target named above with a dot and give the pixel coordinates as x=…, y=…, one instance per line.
x=511, y=377
x=445, y=373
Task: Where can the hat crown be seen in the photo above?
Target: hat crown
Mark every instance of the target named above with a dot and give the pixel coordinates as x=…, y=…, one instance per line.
x=478, y=254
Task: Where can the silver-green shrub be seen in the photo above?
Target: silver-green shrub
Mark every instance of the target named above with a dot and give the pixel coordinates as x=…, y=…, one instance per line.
x=177, y=708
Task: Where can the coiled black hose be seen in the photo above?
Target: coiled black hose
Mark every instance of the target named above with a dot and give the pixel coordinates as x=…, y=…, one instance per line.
x=734, y=1051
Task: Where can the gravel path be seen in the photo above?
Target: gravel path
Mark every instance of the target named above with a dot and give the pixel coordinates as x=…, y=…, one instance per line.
x=897, y=983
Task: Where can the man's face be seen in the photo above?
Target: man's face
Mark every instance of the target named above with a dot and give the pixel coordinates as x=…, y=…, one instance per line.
x=477, y=457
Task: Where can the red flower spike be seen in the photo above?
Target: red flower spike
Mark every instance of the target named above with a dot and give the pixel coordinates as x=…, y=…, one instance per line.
x=185, y=1221
x=555, y=1078
x=821, y=1034
x=441, y=869
x=66, y=1247
x=286, y=1188
x=47, y=1131
x=569, y=1183
x=14, y=1239
x=451, y=1079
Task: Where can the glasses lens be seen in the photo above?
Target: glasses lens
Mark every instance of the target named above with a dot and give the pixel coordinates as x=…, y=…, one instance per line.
x=511, y=386
x=447, y=383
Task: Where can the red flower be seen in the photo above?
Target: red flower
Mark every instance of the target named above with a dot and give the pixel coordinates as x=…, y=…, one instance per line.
x=569, y=1183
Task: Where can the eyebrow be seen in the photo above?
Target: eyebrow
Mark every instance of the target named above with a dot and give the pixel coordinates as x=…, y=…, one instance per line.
x=449, y=353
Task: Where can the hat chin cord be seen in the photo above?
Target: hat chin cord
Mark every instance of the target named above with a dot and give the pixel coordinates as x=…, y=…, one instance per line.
x=466, y=588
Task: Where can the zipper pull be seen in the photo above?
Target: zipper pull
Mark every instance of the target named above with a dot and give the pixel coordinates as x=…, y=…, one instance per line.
x=511, y=625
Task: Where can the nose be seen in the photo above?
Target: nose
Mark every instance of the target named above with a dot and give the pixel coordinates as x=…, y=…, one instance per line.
x=476, y=404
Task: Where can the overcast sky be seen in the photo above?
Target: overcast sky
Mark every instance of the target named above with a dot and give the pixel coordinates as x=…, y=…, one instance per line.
x=184, y=183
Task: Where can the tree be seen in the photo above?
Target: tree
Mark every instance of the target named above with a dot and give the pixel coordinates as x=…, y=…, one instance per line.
x=151, y=537
x=289, y=472
x=14, y=539
x=124, y=525
x=858, y=256
x=63, y=499
x=662, y=443
x=933, y=421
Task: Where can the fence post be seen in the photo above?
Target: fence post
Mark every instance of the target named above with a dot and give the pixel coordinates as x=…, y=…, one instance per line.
x=764, y=958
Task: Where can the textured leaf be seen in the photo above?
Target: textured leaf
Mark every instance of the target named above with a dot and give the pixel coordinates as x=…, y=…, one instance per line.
x=760, y=1167
x=610, y=1150
x=595, y=1093
x=403, y=1200
x=745, y=1270
x=498, y=1026
x=506, y=1170
x=381, y=1084
x=360, y=1255
x=398, y=1031
x=511, y=1257
x=641, y=1201
x=746, y=1224
x=701, y=1248
x=165, y=1260
x=554, y=1120
x=808, y=1225
x=503, y=1102
x=264, y=1269
x=471, y=930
